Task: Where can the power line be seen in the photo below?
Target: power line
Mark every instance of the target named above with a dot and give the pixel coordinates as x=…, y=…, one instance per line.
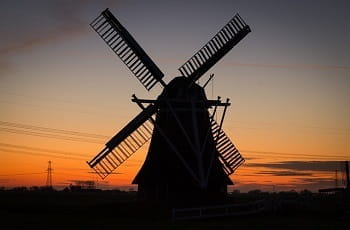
x=52, y=130
x=325, y=130
x=22, y=174
x=294, y=155
x=76, y=175
x=47, y=135
x=79, y=156
x=296, y=158
x=42, y=150
x=289, y=66
x=41, y=154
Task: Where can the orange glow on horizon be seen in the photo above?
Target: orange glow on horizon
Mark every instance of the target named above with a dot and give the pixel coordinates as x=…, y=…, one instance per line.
x=25, y=171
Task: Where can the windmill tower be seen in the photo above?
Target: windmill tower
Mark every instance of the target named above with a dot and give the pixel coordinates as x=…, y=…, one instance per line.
x=190, y=157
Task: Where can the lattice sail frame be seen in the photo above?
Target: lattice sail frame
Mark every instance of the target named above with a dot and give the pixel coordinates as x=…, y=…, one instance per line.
x=232, y=33
x=229, y=155
x=132, y=137
x=126, y=47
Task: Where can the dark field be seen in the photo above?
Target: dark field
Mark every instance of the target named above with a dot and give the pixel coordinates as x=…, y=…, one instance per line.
x=121, y=210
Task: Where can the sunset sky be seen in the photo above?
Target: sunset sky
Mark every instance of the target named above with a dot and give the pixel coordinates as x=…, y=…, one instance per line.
x=64, y=93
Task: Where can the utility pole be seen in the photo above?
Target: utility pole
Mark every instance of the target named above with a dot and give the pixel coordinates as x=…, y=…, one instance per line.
x=49, y=176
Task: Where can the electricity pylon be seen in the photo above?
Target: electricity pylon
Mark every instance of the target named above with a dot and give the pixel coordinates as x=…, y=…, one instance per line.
x=49, y=176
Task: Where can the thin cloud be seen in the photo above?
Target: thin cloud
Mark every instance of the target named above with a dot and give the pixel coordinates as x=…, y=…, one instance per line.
x=4, y=180
x=285, y=173
x=325, y=166
x=316, y=183
x=316, y=180
x=40, y=23
x=288, y=66
x=30, y=42
x=109, y=173
x=313, y=184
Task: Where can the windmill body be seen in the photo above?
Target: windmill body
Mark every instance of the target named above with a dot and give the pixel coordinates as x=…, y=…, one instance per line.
x=184, y=119
x=190, y=157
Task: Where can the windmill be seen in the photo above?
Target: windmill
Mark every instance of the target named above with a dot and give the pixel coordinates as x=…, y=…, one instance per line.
x=189, y=156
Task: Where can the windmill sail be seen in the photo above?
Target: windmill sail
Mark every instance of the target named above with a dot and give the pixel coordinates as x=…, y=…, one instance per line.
x=233, y=32
x=229, y=155
x=129, y=51
x=136, y=133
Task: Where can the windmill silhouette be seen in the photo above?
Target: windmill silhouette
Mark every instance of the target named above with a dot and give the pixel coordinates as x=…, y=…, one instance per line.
x=189, y=157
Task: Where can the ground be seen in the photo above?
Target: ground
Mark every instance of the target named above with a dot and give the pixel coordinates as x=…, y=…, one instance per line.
x=122, y=210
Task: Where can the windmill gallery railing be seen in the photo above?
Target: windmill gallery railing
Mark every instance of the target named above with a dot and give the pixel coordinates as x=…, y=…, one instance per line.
x=206, y=212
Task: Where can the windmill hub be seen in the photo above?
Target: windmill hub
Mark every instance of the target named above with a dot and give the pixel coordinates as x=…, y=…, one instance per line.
x=190, y=157
x=178, y=90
